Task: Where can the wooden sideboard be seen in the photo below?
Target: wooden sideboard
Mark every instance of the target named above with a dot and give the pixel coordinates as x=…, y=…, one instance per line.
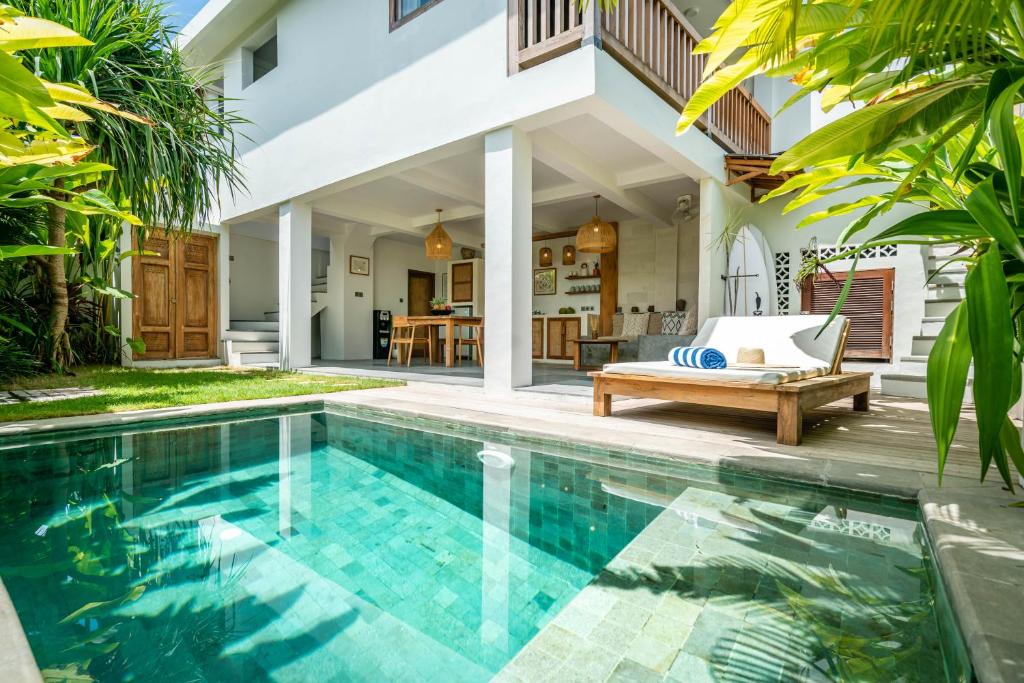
x=560, y=331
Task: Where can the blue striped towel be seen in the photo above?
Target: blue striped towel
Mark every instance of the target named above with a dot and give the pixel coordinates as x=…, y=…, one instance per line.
x=702, y=357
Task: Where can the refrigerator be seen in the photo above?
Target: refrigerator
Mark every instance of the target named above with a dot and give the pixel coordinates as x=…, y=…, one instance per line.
x=381, y=333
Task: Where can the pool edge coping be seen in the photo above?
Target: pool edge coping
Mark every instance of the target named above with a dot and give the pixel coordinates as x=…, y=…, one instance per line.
x=988, y=630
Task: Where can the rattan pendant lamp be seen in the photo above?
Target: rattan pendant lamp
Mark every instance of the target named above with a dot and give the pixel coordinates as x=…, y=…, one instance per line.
x=597, y=236
x=438, y=243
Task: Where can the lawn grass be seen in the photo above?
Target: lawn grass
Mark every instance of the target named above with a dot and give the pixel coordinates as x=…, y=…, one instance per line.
x=129, y=389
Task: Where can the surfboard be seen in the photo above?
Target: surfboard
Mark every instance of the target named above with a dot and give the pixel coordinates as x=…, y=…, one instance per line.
x=750, y=282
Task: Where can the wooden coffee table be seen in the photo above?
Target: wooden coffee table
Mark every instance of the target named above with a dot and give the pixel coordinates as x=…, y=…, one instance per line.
x=611, y=342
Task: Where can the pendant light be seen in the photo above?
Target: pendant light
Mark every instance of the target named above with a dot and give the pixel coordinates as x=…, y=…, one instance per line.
x=597, y=236
x=438, y=243
x=545, y=257
x=568, y=255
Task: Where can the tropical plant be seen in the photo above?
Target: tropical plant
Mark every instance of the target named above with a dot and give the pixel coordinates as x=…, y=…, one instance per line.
x=934, y=88
x=171, y=154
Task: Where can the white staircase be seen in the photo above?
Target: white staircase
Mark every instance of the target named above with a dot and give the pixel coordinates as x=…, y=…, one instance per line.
x=944, y=291
x=258, y=342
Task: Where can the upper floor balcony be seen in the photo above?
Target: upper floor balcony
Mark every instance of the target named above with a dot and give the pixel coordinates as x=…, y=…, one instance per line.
x=650, y=38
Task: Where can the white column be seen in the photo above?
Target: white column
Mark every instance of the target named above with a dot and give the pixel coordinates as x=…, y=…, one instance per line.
x=508, y=234
x=714, y=216
x=224, y=289
x=295, y=281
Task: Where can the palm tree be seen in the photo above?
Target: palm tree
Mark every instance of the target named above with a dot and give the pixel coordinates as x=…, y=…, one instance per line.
x=170, y=159
x=935, y=87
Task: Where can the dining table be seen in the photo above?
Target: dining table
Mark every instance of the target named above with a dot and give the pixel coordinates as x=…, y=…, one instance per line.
x=435, y=323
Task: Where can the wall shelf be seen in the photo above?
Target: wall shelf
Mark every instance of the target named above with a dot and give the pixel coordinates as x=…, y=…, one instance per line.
x=582, y=277
x=581, y=293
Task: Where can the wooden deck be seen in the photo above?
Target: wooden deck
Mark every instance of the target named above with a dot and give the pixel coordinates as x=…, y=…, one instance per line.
x=890, y=442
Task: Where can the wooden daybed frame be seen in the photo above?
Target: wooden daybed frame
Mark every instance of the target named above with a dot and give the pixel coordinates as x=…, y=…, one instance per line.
x=788, y=400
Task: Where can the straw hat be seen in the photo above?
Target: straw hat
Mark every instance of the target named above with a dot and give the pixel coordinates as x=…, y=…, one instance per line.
x=750, y=356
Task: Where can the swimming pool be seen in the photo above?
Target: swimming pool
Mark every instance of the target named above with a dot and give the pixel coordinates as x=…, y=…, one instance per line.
x=328, y=546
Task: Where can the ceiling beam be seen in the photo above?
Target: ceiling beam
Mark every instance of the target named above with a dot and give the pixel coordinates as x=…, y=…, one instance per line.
x=648, y=175
x=431, y=181
x=571, y=162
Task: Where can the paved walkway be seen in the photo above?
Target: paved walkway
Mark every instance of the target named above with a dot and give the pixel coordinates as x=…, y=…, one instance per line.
x=41, y=395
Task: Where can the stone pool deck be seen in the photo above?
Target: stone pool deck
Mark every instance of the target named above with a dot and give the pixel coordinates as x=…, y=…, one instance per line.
x=977, y=539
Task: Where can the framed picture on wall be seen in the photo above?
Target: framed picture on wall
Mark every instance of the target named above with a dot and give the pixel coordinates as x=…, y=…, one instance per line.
x=545, y=281
x=359, y=265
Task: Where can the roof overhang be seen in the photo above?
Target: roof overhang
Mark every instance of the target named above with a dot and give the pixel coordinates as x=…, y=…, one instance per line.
x=218, y=25
x=755, y=171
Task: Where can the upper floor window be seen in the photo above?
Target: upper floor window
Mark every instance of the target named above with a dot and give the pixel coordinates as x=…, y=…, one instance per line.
x=259, y=57
x=405, y=10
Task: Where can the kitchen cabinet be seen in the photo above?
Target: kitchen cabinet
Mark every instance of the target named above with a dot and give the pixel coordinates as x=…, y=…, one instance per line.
x=560, y=331
x=538, y=337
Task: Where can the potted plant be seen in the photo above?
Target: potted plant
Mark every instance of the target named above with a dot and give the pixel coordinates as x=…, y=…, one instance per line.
x=439, y=306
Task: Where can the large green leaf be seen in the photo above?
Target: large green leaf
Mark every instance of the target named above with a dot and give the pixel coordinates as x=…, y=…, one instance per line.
x=991, y=331
x=1004, y=136
x=984, y=206
x=24, y=251
x=860, y=130
x=943, y=223
x=948, y=365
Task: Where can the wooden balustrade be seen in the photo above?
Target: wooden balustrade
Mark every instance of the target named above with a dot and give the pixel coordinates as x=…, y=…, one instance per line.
x=653, y=40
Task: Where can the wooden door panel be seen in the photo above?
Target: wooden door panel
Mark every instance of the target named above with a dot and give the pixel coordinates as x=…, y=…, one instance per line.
x=869, y=307
x=572, y=331
x=462, y=282
x=153, y=283
x=196, y=304
x=175, y=288
x=421, y=291
x=538, y=338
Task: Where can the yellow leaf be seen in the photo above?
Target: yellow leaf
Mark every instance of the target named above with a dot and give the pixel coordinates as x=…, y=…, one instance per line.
x=66, y=113
x=30, y=33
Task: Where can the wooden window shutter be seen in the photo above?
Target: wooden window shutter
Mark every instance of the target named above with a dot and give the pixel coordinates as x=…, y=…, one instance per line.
x=868, y=306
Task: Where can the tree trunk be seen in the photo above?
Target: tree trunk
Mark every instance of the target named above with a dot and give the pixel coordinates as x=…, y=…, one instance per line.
x=57, y=279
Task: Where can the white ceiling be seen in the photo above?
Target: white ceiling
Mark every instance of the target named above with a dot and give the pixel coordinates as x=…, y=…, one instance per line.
x=403, y=203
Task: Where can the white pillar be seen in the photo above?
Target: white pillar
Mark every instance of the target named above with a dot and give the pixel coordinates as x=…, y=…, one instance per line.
x=224, y=289
x=508, y=234
x=714, y=217
x=295, y=282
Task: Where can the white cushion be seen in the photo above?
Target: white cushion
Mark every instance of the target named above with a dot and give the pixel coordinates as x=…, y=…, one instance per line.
x=756, y=375
x=787, y=340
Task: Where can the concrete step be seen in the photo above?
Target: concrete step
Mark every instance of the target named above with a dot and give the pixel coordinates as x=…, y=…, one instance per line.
x=917, y=365
x=944, y=290
x=934, y=308
x=922, y=345
x=257, y=358
x=254, y=326
x=320, y=289
x=946, y=250
x=251, y=335
x=272, y=316
x=947, y=276
x=247, y=347
x=320, y=280
x=915, y=386
x=930, y=327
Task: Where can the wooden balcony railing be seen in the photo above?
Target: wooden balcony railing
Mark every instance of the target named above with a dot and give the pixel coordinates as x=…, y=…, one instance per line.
x=653, y=40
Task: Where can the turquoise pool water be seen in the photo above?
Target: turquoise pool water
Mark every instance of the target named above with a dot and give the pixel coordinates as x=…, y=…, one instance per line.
x=331, y=547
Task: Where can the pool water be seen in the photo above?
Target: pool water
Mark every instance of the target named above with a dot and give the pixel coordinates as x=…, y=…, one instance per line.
x=322, y=546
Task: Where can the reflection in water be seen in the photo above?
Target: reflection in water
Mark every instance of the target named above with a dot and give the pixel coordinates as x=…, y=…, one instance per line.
x=316, y=545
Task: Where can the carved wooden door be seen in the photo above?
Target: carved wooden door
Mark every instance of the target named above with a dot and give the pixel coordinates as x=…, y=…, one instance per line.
x=175, y=306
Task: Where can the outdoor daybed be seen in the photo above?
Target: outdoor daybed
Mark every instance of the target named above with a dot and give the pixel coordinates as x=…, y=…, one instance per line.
x=801, y=371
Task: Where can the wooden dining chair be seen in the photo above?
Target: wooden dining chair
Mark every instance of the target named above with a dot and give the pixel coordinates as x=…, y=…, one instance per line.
x=476, y=338
x=404, y=333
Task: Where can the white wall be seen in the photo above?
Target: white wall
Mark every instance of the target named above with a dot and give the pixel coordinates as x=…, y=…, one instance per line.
x=656, y=267
x=360, y=96
x=253, y=278
x=393, y=260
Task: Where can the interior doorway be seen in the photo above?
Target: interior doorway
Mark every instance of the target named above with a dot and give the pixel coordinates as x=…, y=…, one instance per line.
x=421, y=291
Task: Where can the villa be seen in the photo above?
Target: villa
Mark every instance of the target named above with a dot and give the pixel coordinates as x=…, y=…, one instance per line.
x=508, y=118
x=487, y=201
